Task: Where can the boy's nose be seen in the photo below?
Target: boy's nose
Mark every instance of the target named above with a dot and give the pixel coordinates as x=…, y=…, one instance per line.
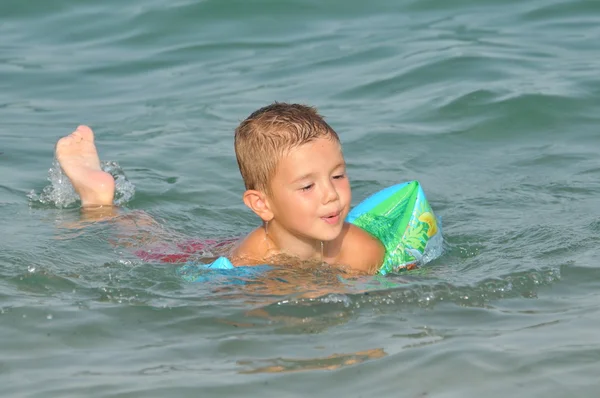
x=330, y=194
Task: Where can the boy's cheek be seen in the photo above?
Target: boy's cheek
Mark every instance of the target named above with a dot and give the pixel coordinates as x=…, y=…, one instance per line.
x=347, y=192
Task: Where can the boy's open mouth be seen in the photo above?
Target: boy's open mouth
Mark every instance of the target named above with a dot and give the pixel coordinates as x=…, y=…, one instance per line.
x=332, y=218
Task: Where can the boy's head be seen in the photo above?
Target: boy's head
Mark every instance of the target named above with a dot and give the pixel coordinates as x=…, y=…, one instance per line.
x=269, y=133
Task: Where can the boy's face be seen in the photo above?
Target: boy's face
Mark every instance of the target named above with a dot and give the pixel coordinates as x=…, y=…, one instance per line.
x=310, y=192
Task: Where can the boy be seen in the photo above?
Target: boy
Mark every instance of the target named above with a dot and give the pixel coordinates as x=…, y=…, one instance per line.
x=294, y=171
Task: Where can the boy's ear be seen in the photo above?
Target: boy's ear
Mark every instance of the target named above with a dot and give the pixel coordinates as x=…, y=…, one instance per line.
x=258, y=202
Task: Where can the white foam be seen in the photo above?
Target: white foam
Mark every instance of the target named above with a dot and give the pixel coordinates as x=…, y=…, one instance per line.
x=61, y=194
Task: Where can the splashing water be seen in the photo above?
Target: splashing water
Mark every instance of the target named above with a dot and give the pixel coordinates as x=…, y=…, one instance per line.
x=61, y=194
x=124, y=189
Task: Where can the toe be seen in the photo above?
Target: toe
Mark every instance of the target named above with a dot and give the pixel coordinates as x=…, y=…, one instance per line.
x=64, y=141
x=85, y=132
x=83, y=127
x=76, y=136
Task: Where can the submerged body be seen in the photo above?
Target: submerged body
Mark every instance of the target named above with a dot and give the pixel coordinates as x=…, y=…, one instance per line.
x=305, y=223
x=294, y=171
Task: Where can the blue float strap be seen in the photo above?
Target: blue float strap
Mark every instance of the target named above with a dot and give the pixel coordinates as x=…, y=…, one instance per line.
x=220, y=263
x=221, y=267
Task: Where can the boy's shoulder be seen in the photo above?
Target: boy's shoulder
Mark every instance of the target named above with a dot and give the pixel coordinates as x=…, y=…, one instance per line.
x=250, y=250
x=360, y=250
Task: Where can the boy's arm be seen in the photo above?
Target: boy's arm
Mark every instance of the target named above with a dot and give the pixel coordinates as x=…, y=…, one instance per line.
x=362, y=251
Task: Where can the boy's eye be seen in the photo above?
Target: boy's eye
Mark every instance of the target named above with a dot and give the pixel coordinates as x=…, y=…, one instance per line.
x=307, y=187
x=339, y=176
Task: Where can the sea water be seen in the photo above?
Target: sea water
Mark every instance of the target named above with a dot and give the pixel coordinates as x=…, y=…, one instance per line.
x=491, y=105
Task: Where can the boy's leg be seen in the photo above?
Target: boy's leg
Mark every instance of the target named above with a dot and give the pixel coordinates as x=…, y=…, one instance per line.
x=78, y=158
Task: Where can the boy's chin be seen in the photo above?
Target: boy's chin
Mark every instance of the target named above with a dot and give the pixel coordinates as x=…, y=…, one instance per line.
x=328, y=236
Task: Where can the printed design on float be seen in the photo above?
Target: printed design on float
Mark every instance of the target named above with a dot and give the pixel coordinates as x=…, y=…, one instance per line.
x=401, y=218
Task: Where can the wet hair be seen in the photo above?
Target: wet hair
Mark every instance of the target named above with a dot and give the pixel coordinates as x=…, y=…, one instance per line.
x=271, y=132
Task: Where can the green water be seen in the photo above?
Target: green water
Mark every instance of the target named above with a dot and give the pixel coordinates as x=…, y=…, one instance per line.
x=491, y=105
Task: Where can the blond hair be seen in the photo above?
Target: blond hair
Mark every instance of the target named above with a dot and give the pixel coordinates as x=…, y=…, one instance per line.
x=269, y=133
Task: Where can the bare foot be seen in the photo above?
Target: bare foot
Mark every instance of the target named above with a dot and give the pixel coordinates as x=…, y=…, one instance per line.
x=78, y=158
